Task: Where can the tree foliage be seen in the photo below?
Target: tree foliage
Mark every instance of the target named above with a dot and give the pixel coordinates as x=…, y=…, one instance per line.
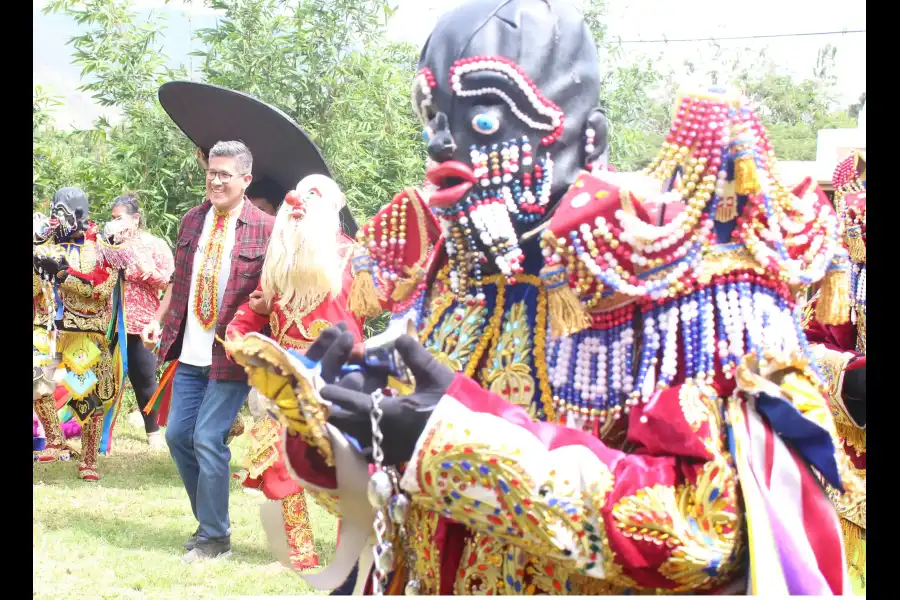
x=327, y=64
x=322, y=62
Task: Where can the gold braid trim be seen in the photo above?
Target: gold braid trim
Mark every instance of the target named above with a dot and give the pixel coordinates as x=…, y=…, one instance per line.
x=855, y=546
x=850, y=433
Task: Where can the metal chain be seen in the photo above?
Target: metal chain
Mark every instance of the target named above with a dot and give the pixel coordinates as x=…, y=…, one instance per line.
x=399, y=511
x=385, y=494
x=378, y=498
x=377, y=436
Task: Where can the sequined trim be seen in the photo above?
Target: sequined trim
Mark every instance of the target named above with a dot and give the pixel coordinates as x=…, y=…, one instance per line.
x=299, y=532
x=697, y=523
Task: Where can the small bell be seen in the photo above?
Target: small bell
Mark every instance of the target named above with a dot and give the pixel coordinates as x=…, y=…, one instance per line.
x=380, y=489
x=398, y=509
x=412, y=587
x=385, y=555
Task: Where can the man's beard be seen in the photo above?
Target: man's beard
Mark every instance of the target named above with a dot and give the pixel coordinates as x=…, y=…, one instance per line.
x=305, y=260
x=513, y=188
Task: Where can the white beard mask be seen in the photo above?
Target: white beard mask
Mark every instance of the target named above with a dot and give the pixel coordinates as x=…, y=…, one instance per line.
x=306, y=255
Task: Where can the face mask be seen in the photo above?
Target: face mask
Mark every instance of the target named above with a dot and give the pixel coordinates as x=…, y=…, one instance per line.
x=118, y=230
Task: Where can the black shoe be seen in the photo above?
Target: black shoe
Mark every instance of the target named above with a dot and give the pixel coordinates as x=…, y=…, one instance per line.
x=209, y=549
x=191, y=542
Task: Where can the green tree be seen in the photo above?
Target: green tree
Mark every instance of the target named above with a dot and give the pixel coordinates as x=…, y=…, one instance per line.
x=325, y=64
x=122, y=65
x=635, y=94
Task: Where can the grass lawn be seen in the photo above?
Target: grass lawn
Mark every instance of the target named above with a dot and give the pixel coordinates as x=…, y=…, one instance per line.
x=121, y=537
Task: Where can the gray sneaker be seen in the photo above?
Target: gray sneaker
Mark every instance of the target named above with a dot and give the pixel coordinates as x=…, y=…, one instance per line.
x=191, y=542
x=208, y=550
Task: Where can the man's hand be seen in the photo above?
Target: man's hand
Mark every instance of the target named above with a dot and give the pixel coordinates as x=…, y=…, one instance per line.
x=259, y=305
x=151, y=334
x=404, y=417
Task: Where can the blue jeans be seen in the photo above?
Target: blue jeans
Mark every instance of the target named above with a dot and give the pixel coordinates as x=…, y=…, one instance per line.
x=200, y=419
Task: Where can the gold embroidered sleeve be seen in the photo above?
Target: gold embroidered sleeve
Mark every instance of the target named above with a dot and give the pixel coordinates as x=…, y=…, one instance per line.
x=101, y=292
x=105, y=289
x=73, y=285
x=832, y=364
x=646, y=522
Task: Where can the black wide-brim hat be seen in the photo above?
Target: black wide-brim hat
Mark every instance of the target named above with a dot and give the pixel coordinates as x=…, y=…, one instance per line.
x=282, y=152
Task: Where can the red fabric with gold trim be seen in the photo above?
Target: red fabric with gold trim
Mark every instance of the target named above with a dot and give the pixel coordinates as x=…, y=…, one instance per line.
x=856, y=210
x=680, y=463
x=404, y=254
x=287, y=332
x=834, y=337
x=589, y=199
x=275, y=482
x=801, y=190
x=101, y=272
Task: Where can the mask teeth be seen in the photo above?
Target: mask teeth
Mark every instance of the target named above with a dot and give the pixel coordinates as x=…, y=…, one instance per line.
x=510, y=173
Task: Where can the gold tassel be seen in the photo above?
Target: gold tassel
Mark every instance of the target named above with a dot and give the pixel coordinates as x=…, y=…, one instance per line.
x=363, y=301
x=854, y=546
x=363, y=296
x=746, y=181
x=565, y=311
x=726, y=211
x=404, y=288
x=855, y=244
x=833, y=307
x=851, y=434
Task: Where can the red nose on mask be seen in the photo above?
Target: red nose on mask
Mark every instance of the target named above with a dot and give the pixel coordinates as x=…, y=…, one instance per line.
x=294, y=199
x=297, y=204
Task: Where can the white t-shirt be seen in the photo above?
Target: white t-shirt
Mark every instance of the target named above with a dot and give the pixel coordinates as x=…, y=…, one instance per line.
x=197, y=347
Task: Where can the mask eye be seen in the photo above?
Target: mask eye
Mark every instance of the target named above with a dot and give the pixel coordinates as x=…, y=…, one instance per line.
x=485, y=123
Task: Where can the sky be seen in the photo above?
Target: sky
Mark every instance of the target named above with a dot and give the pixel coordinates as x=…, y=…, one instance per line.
x=633, y=21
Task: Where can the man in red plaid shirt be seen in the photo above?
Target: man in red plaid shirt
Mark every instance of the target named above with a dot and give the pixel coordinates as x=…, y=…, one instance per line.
x=218, y=261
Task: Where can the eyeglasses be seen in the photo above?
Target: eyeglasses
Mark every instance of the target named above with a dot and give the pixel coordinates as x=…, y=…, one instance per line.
x=223, y=176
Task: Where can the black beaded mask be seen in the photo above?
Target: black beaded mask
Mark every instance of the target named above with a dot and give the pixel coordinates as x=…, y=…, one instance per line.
x=508, y=92
x=69, y=213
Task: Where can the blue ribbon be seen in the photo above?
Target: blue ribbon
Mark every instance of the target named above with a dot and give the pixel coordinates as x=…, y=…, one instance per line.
x=809, y=439
x=119, y=327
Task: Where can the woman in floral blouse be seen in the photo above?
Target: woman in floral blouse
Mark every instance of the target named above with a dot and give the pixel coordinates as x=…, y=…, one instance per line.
x=144, y=281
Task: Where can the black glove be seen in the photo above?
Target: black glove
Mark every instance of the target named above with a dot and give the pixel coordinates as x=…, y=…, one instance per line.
x=48, y=267
x=404, y=417
x=853, y=393
x=332, y=349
